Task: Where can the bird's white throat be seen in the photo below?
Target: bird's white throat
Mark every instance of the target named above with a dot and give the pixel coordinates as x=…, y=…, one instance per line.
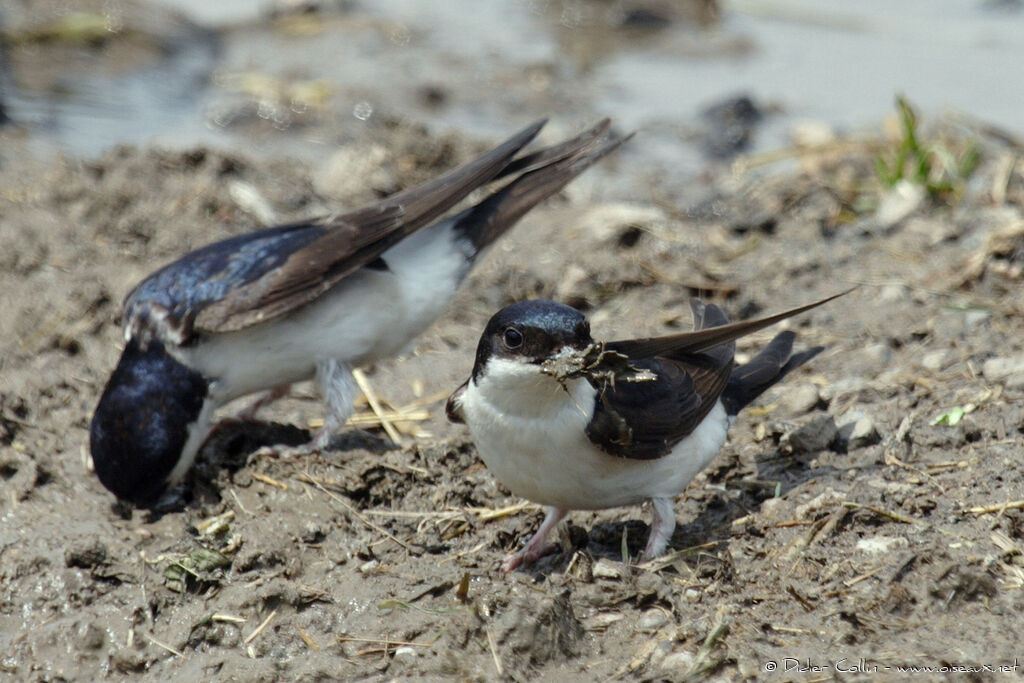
x=519, y=389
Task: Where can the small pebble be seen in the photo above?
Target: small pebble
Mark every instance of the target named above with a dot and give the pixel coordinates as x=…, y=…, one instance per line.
x=811, y=133
x=651, y=620
x=605, y=221
x=899, y=202
x=799, y=399
x=575, y=285
x=935, y=360
x=406, y=652
x=890, y=293
x=875, y=355
x=863, y=434
x=974, y=318
x=934, y=230
x=776, y=509
x=881, y=544
x=368, y=567
x=996, y=369
x=607, y=569
x=845, y=385
x=347, y=174
x=678, y=661
x=89, y=555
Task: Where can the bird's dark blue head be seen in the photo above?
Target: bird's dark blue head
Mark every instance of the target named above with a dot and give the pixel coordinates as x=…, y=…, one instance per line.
x=531, y=331
x=141, y=425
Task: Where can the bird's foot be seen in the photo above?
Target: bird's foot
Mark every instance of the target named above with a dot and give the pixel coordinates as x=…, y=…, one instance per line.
x=536, y=546
x=320, y=441
x=525, y=556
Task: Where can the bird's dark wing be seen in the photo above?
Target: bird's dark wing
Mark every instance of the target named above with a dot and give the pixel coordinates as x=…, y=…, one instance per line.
x=255, y=277
x=246, y=279
x=644, y=420
x=352, y=240
x=171, y=297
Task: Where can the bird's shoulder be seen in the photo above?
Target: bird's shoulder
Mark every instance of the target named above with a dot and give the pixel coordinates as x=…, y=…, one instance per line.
x=169, y=301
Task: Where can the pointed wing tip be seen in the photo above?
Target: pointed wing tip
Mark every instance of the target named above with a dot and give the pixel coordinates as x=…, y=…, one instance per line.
x=602, y=126
x=593, y=154
x=535, y=127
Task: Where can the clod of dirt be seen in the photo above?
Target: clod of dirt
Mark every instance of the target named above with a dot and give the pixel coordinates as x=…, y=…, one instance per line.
x=19, y=473
x=89, y=555
x=964, y=584
x=130, y=660
x=597, y=364
x=549, y=632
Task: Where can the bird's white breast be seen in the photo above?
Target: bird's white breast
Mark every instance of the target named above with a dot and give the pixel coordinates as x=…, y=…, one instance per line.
x=371, y=314
x=529, y=431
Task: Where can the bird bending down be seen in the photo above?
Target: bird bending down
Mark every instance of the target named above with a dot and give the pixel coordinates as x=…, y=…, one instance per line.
x=578, y=425
x=315, y=298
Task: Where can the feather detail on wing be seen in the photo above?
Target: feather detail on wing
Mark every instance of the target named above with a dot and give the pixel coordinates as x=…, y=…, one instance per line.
x=646, y=419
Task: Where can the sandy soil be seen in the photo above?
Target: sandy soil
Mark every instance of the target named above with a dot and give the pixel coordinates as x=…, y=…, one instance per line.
x=839, y=534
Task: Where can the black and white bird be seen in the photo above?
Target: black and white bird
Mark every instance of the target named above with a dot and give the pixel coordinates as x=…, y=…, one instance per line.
x=555, y=425
x=311, y=299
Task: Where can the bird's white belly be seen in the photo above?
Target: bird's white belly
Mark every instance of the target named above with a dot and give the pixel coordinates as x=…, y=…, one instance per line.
x=547, y=457
x=371, y=314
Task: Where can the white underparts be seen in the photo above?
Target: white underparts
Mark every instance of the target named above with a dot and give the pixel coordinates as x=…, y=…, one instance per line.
x=531, y=434
x=372, y=314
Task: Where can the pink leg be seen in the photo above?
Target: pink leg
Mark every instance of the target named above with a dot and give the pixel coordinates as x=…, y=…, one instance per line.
x=536, y=546
x=264, y=399
x=662, y=526
x=324, y=434
x=317, y=443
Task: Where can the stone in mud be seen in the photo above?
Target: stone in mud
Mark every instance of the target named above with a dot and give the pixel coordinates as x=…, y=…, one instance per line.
x=799, y=399
x=998, y=369
x=857, y=430
x=813, y=437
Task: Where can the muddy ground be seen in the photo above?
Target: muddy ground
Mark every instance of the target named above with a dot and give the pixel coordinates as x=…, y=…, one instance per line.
x=840, y=533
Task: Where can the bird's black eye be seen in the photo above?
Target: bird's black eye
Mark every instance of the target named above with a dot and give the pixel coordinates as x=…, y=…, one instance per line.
x=512, y=338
